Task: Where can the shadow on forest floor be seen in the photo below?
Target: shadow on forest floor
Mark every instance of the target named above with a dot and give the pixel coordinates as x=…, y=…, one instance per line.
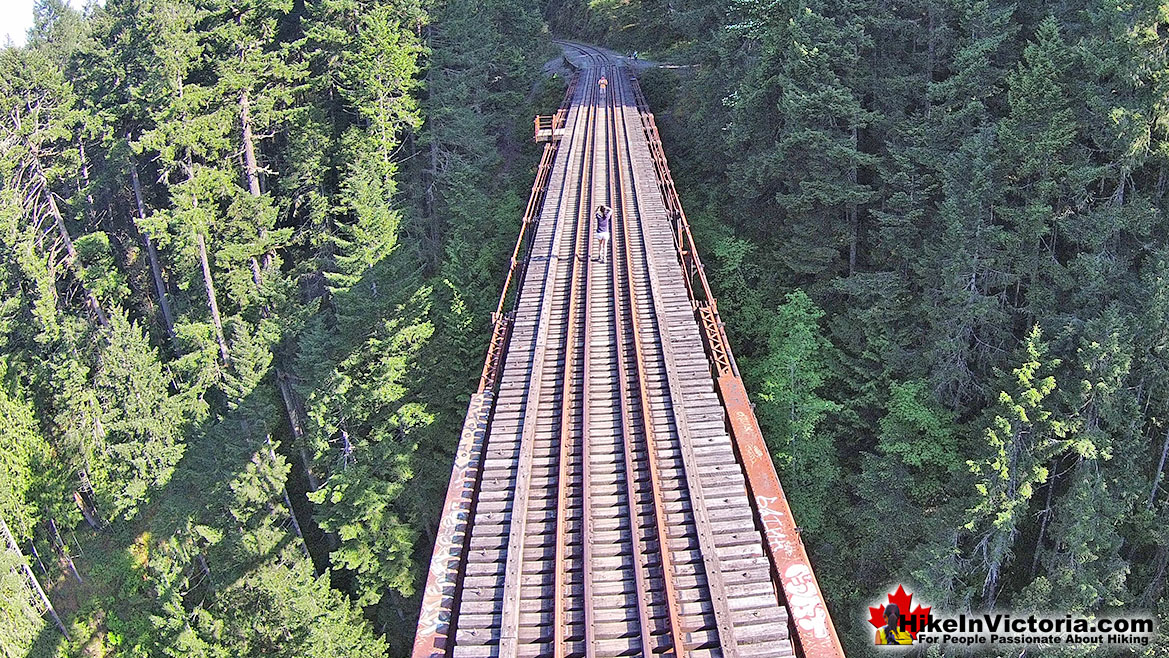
x=112, y=608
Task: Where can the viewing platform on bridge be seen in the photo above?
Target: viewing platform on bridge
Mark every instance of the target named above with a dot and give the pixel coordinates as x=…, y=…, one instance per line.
x=550, y=127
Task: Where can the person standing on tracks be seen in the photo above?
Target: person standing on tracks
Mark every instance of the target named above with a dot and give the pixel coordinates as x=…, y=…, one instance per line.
x=603, y=82
x=604, y=226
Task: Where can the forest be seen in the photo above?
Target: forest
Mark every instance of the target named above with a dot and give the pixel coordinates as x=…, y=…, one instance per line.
x=250, y=250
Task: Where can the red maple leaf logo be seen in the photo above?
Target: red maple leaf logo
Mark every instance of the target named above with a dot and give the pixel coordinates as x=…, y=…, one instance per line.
x=902, y=600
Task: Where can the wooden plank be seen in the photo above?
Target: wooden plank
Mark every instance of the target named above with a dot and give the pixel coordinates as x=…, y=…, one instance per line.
x=726, y=632
x=508, y=639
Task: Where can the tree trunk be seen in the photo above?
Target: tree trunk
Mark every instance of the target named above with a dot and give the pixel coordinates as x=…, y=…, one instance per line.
x=292, y=409
x=930, y=58
x=288, y=503
x=252, y=171
x=33, y=583
x=32, y=547
x=210, y=287
x=63, y=548
x=168, y=317
x=91, y=299
x=85, y=512
x=1160, y=470
x=89, y=508
x=434, y=229
x=852, y=217
x=85, y=180
x=205, y=568
x=1043, y=526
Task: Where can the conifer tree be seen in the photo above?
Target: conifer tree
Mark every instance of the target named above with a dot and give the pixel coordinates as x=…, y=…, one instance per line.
x=798, y=119
x=1023, y=434
x=792, y=410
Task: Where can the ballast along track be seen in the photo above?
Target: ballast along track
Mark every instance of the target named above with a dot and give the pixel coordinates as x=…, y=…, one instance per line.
x=598, y=505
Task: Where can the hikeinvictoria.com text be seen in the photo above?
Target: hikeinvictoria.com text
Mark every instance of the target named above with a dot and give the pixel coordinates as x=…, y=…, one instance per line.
x=1006, y=628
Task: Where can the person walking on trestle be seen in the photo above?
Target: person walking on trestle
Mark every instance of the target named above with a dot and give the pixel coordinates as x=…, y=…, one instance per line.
x=604, y=219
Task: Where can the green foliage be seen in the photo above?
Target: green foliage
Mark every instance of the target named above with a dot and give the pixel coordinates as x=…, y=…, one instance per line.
x=916, y=433
x=791, y=410
x=267, y=138
x=366, y=417
x=26, y=461
x=100, y=274
x=1023, y=434
x=143, y=424
x=21, y=622
x=911, y=475
x=805, y=174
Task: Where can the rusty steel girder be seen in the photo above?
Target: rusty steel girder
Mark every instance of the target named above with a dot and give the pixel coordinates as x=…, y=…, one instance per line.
x=444, y=580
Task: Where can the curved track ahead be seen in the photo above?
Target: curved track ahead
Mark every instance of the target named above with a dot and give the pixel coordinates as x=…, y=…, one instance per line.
x=607, y=513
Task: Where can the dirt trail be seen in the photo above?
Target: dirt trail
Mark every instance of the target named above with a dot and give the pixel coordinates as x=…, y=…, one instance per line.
x=557, y=65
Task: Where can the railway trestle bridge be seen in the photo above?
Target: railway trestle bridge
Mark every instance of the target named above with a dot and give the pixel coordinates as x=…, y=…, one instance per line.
x=612, y=494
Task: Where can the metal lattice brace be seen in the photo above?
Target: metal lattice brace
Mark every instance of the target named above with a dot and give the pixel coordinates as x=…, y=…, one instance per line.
x=500, y=330
x=716, y=342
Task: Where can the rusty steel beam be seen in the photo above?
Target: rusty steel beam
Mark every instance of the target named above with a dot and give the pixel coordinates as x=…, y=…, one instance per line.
x=791, y=569
x=716, y=344
x=437, y=617
x=790, y=563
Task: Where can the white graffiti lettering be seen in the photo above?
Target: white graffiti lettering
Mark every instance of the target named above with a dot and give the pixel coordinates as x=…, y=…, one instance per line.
x=448, y=544
x=803, y=598
x=772, y=519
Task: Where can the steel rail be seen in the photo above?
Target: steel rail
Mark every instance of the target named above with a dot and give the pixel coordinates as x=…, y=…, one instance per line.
x=639, y=553
x=517, y=532
x=702, y=521
x=499, y=320
x=587, y=522
x=566, y=410
x=443, y=589
x=791, y=569
x=673, y=603
x=587, y=525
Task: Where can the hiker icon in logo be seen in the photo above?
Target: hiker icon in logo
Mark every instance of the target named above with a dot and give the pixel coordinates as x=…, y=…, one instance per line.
x=894, y=622
x=891, y=632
